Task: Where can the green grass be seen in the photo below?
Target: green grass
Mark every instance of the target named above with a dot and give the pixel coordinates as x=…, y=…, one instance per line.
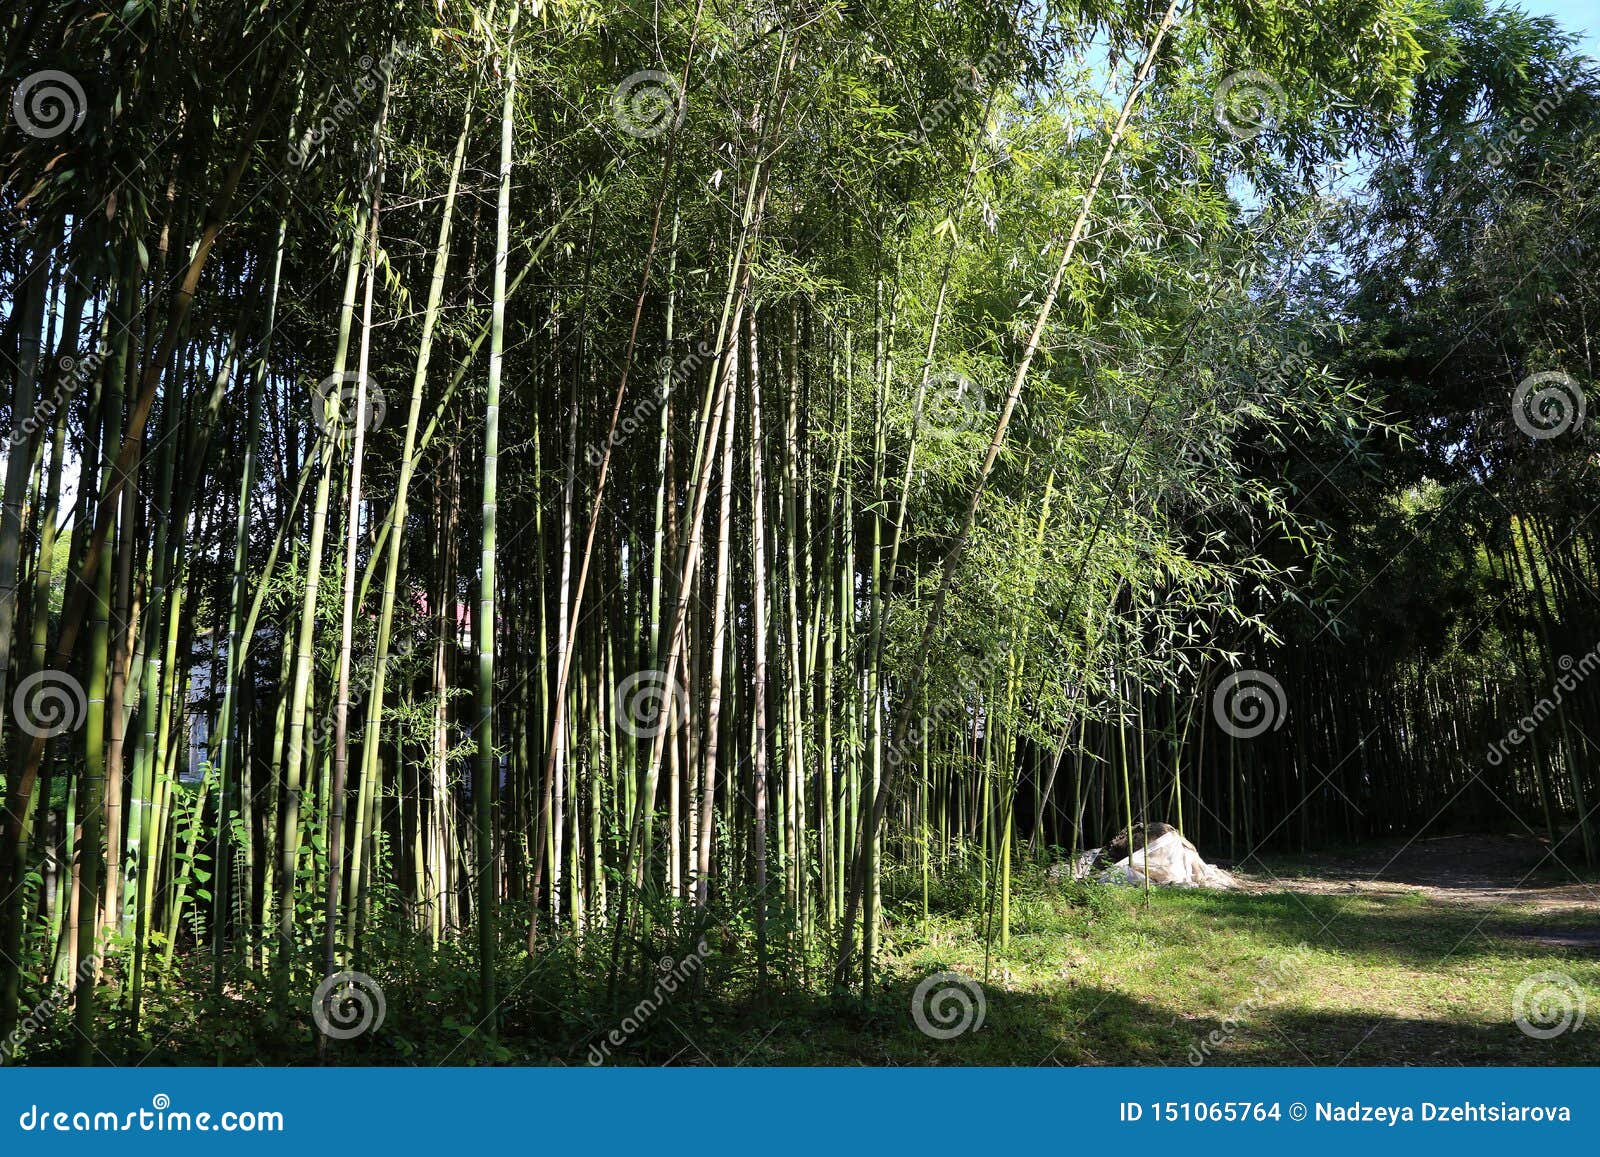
x=1092, y=975
x=1105, y=976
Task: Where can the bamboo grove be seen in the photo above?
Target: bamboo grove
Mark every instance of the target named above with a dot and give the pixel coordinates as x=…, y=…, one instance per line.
x=493, y=478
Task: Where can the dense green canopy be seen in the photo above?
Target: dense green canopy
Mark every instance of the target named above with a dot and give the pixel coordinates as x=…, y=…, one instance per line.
x=530, y=481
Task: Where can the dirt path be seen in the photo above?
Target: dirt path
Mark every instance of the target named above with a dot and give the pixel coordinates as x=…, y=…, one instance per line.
x=1474, y=869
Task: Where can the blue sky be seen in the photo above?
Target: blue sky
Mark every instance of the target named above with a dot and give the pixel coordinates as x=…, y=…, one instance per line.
x=1581, y=16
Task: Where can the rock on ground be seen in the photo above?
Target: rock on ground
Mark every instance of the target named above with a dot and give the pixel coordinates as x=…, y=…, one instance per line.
x=1171, y=861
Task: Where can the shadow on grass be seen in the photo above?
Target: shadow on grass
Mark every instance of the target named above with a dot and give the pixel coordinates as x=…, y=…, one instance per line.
x=1057, y=1022
x=1092, y=977
x=1078, y=1025
x=1407, y=928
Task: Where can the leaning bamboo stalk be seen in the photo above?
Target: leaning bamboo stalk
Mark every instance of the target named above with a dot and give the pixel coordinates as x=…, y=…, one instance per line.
x=292, y=775
x=359, y=420
x=391, y=556
x=873, y=819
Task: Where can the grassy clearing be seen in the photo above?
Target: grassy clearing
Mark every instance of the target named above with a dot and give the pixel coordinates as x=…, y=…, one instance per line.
x=1092, y=975
x=1107, y=976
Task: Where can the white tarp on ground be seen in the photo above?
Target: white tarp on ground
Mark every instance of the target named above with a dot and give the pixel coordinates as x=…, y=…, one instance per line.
x=1171, y=860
